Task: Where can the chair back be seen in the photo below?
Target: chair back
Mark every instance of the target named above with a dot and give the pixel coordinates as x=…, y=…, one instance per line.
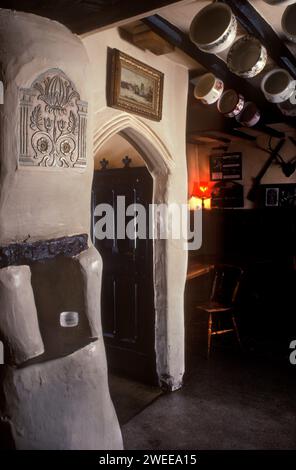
x=226, y=284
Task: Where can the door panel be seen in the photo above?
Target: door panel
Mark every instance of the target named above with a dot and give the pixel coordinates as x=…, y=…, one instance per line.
x=128, y=316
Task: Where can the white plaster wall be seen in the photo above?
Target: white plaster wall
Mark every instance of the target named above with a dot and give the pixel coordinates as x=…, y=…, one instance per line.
x=71, y=403
x=171, y=130
x=30, y=45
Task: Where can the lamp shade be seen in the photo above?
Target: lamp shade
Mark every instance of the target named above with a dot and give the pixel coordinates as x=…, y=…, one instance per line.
x=201, y=190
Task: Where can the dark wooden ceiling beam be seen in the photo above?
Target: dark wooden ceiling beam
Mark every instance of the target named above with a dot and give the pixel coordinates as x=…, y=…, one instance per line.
x=243, y=135
x=251, y=20
x=232, y=125
x=83, y=16
x=263, y=129
x=216, y=65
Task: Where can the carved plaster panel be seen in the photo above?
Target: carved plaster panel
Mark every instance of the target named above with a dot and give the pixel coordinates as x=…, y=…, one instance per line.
x=52, y=123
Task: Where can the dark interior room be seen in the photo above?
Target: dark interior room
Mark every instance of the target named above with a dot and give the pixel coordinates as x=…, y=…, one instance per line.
x=147, y=228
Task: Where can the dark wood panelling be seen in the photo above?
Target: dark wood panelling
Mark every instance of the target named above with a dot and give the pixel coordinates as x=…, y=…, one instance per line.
x=263, y=243
x=243, y=235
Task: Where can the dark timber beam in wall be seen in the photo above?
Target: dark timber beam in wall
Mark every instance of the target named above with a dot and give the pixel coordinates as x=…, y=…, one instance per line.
x=217, y=66
x=251, y=20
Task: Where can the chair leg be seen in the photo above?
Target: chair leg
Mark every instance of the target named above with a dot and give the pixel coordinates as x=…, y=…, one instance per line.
x=236, y=332
x=210, y=322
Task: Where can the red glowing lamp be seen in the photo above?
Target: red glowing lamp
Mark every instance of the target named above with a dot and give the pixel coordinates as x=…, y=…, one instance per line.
x=201, y=191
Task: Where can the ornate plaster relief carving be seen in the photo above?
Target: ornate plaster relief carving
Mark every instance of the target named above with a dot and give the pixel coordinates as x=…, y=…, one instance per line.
x=52, y=123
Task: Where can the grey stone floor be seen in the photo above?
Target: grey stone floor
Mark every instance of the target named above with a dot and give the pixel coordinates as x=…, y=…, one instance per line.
x=228, y=402
x=130, y=397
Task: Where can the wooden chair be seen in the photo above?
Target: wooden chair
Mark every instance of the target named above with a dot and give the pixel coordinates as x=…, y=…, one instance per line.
x=226, y=283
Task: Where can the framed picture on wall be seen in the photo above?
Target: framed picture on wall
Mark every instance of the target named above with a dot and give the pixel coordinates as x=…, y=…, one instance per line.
x=134, y=86
x=277, y=195
x=227, y=166
x=272, y=197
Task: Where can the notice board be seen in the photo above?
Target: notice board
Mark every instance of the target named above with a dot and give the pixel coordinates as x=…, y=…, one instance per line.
x=226, y=167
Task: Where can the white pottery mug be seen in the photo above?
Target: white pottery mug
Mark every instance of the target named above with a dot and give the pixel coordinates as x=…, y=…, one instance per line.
x=231, y=103
x=289, y=22
x=214, y=28
x=249, y=116
x=208, y=88
x=247, y=57
x=278, y=85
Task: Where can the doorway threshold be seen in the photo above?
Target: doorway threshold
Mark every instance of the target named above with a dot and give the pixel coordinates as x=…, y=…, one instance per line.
x=130, y=397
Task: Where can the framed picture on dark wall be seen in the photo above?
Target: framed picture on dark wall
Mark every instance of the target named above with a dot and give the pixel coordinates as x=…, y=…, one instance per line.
x=227, y=166
x=134, y=86
x=272, y=197
x=277, y=195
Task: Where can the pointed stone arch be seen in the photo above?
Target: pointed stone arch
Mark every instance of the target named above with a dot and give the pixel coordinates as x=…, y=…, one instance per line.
x=160, y=164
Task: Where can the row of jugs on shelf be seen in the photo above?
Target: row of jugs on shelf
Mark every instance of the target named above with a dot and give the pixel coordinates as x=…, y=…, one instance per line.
x=213, y=30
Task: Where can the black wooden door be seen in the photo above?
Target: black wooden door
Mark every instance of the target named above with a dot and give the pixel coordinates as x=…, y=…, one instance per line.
x=128, y=316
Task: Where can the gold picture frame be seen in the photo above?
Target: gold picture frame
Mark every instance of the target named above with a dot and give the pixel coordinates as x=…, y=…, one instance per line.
x=134, y=86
